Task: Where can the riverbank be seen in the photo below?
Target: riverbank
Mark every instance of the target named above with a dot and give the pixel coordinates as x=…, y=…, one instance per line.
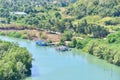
x=32, y=34
x=100, y=48
x=72, y=65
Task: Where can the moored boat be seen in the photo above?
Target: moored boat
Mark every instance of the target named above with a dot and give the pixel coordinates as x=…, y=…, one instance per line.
x=41, y=43
x=62, y=48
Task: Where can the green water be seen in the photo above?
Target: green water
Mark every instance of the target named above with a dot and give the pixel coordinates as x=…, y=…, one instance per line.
x=49, y=64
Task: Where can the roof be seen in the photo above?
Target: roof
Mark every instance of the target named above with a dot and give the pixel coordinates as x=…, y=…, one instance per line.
x=18, y=13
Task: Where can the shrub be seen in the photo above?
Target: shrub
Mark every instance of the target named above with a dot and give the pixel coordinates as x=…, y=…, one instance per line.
x=17, y=35
x=62, y=42
x=67, y=35
x=43, y=36
x=114, y=38
x=2, y=33
x=79, y=45
x=49, y=41
x=24, y=37
x=73, y=43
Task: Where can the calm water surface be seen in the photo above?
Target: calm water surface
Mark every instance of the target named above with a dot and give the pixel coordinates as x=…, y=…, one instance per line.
x=49, y=64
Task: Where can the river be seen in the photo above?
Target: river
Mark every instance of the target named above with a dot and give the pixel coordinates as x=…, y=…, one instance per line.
x=48, y=64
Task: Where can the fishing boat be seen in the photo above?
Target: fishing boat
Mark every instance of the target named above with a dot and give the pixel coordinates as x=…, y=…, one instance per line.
x=41, y=43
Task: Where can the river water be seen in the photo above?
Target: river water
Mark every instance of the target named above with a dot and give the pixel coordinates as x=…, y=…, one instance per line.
x=48, y=64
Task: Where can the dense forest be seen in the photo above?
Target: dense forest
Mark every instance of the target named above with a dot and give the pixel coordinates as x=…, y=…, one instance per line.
x=15, y=62
x=102, y=8
x=99, y=18
x=90, y=25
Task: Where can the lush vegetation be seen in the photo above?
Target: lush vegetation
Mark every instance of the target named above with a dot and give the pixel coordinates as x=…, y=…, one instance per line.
x=90, y=25
x=15, y=62
x=107, y=49
x=95, y=7
x=96, y=28
x=16, y=34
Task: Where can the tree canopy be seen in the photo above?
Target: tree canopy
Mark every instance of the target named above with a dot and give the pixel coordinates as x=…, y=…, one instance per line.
x=15, y=61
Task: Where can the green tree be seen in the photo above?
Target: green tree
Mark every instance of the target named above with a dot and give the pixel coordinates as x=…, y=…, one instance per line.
x=58, y=15
x=67, y=35
x=79, y=45
x=8, y=20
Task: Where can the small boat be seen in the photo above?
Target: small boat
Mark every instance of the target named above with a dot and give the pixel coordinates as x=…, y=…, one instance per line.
x=62, y=48
x=41, y=43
